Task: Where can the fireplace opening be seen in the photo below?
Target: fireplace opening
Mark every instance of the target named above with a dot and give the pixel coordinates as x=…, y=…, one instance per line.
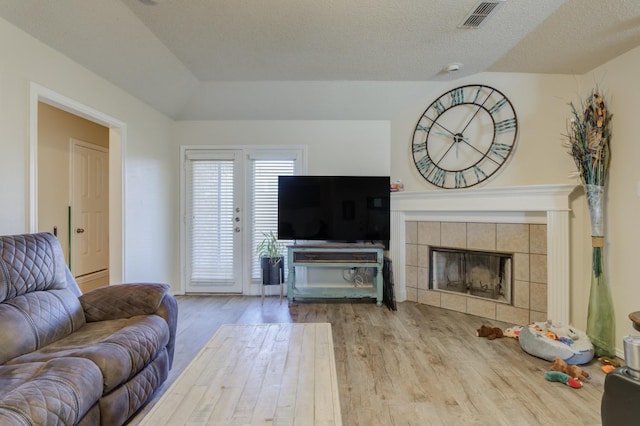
x=477, y=273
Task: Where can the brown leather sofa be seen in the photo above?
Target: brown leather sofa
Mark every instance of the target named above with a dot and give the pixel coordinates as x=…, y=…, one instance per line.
x=69, y=358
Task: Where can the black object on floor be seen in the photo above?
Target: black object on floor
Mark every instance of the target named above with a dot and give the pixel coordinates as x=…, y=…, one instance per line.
x=388, y=294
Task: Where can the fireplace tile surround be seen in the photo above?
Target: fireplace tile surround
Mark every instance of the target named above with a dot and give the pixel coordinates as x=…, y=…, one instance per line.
x=528, y=243
x=531, y=221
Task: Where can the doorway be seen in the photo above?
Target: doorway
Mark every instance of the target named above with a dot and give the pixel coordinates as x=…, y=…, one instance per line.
x=41, y=157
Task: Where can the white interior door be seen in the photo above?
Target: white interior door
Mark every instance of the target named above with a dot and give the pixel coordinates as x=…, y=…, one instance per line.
x=213, y=213
x=89, y=209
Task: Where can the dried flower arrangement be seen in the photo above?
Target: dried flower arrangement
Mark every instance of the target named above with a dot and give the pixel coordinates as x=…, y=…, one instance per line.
x=588, y=139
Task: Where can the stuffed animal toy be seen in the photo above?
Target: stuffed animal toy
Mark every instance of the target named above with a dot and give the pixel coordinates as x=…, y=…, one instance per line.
x=489, y=332
x=513, y=331
x=559, y=376
x=572, y=370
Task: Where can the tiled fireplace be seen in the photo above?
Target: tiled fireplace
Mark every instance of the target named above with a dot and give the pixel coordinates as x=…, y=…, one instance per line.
x=532, y=222
x=527, y=243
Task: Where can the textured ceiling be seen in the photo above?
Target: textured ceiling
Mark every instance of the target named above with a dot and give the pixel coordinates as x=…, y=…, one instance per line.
x=334, y=39
x=176, y=52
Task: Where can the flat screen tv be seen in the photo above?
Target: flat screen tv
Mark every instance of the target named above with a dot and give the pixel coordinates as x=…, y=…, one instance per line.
x=334, y=208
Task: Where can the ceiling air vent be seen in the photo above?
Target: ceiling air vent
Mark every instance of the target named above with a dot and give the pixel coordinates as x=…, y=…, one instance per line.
x=480, y=12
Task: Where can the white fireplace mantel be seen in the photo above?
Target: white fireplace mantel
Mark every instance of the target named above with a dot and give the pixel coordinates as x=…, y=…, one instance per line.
x=548, y=204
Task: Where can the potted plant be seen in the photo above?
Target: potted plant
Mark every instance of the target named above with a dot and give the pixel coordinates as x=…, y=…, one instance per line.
x=270, y=251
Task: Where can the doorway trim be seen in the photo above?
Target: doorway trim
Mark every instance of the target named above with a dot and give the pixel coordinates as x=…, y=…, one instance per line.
x=117, y=142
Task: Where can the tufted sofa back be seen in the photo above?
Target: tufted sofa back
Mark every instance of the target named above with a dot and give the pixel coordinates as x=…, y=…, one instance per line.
x=36, y=307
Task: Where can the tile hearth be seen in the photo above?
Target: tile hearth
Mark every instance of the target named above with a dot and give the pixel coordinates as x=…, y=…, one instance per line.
x=528, y=243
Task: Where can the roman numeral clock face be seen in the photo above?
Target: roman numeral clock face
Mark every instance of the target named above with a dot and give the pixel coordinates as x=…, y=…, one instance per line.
x=464, y=136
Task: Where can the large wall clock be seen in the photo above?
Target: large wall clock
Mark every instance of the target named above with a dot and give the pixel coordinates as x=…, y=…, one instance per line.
x=464, y=136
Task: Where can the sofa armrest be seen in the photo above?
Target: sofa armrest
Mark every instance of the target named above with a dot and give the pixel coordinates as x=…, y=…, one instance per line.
x=122, y=301
x=128, y=300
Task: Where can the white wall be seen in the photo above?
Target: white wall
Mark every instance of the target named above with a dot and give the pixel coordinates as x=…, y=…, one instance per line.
x=150, y=235
x=333, y=147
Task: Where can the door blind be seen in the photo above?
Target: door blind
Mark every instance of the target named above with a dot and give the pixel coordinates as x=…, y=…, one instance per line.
x=211, y=216
x=264, y=201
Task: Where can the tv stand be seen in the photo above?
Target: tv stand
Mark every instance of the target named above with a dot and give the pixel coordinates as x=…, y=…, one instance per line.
x=335, y=255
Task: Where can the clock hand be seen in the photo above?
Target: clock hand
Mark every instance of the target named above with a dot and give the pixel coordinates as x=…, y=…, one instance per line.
x=444, y=134
x=440, y=125
x=457, y=137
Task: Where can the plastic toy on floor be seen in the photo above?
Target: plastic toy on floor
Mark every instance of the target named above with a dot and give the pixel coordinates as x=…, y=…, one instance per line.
x=558, y=376
x=608, y=364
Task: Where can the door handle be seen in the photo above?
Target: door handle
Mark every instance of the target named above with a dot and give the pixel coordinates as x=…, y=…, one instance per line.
x=79, y=230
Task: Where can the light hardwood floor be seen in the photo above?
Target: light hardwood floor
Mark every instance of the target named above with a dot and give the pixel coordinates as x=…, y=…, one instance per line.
x=419, y=365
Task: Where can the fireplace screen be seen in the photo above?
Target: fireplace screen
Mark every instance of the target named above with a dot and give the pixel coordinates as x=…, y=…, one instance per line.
x=482, y=274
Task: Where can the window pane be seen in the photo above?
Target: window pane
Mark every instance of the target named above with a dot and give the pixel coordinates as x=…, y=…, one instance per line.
x=211, y=220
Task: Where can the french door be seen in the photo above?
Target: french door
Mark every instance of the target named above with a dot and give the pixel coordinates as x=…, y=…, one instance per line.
x=213, y=216
x=229, y=204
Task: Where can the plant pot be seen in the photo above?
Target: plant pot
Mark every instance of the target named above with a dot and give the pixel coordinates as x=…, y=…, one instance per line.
x=272, y=270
